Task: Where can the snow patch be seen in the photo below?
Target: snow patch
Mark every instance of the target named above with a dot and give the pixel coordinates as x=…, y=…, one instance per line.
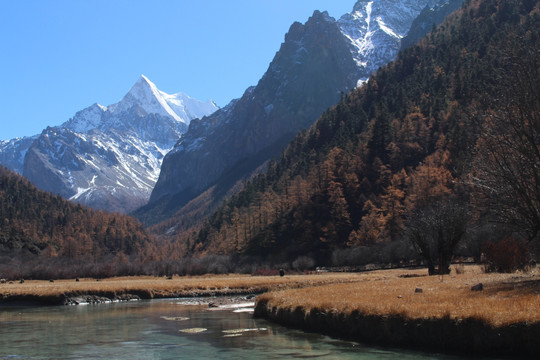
x=149, y=98
x=387, y=29
x=375, y=28
x=268, y=109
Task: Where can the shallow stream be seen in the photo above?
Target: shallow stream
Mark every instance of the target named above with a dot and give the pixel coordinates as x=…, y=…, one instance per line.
x=167, y=329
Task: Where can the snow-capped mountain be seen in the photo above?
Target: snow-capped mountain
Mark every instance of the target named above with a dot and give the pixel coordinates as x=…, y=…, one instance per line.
x=109, y=157
x=12, y=152
x=375, y=28
x=317, y=61
x=430, y=15
x=146, y=98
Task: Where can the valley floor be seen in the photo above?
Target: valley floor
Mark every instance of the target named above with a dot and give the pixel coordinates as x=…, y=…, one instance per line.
x=402, y=307
x=147, y=287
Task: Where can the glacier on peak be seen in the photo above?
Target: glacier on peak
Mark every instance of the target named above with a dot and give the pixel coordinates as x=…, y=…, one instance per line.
x=109, y=157
x=145, y=98
x=375, y=28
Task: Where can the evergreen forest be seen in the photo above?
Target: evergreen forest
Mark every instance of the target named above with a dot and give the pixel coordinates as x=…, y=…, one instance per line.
x=44, y=235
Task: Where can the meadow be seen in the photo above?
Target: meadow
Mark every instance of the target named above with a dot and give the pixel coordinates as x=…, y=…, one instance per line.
x=149, y=287
x=409, y=293
x=399, y=307
x=406, y=308
x=505, y=298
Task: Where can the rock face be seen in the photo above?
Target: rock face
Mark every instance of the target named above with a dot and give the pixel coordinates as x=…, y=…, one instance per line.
x=305, y=77
x=317, y=61
x=12, y=152
x=375, y=28
x=430, y=15
x=110, y=157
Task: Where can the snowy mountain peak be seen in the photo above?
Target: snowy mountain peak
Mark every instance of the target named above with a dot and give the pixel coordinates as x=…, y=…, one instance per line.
x=110, y=157
x=143, y=78
x=146, y=99
x=375, y=28
x=87, y=119
x=146, y=96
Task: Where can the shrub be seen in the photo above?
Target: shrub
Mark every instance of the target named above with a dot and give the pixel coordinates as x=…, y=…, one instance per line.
x=459, y=269
x=303, y=263
x=265, y=272
x=506, y=255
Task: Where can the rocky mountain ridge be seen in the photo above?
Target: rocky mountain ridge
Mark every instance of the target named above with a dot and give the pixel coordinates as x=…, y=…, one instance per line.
x=318, y=61
x=108, y=157
x=374, y=30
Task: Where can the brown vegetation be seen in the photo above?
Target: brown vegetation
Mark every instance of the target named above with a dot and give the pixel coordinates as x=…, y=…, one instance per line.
x=407, y=308
x=33, y=222
x=454, y=118
x=153, y=287
x=506, y=298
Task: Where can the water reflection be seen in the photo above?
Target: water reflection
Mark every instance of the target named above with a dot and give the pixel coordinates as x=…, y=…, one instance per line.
x=165, y=329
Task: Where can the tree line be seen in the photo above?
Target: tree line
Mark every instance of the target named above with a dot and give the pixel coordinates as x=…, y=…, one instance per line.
x=35, y=225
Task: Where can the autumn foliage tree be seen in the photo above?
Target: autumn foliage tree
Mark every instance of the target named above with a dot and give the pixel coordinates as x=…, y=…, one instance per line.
x=41, y=228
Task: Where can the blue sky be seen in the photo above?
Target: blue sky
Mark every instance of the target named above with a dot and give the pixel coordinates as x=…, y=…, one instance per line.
x=60, y=56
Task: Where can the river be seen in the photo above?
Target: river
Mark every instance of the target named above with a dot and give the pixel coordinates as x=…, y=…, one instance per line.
x=167, y=329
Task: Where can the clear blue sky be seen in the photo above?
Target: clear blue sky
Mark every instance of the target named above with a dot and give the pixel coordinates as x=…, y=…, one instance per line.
x=60, y=56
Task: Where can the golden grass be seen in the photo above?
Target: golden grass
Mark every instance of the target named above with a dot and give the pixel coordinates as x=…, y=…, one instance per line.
x=161, y=287
x=506, y=299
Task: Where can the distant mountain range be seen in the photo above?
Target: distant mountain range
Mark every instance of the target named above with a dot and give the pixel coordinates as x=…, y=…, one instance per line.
x=107, y=157
x=111, y=157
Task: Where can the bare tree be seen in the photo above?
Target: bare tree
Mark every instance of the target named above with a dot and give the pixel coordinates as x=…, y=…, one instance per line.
x=507, y=165
x=436, y=230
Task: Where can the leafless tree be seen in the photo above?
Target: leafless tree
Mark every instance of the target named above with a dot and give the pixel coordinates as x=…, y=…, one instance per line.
x=507, y=165
x=436, y=230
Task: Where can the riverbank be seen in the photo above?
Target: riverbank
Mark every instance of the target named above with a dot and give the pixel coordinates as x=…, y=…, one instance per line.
x=404, y=308
x=64, y=292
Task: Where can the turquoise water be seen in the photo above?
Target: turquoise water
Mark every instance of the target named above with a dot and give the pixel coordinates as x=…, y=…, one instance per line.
x=166, y=329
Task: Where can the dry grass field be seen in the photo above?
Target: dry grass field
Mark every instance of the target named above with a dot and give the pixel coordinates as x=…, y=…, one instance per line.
x=154, y=287
x=505, y=299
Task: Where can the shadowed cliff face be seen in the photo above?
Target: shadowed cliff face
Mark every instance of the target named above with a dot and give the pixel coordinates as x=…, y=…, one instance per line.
x=316, y=62
x=313, y=66
x=429, y=17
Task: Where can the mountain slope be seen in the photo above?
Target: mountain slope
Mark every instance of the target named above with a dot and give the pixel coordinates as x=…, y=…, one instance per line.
x=12, y=152
x=110, y=157
x=316, y=63
x=37, y=222
x=391, y=148
x=429, y=17
x=374, y=30
x=305, y=77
